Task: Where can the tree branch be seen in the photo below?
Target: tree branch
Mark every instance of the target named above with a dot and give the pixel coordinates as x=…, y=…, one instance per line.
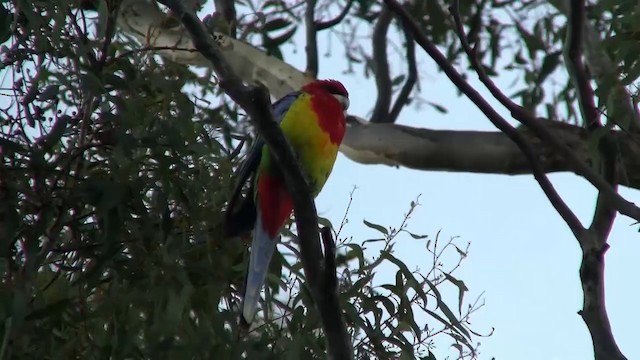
x=604, y=213
x=312, y=42
x=228, y=10
x=576, y=68
x=412, y=77
x=538, y=172
x=335, y=21
x=255, y=101
x=381, y=67
x=536, y=125
x=594, y=242
x=621, y=109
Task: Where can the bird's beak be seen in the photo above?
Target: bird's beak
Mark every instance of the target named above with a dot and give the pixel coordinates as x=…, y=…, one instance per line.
x=343, y=100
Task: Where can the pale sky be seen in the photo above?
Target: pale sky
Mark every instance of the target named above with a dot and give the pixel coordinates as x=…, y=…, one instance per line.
x=522, y=256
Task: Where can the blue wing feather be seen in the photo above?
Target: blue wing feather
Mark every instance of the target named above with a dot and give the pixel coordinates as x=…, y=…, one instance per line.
x=262, y=248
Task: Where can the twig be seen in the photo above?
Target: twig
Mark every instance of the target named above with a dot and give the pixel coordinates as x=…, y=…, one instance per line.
x=335, y=21
x=517, y=112
x=312, y=42
x=381, y=67
x=255, y=101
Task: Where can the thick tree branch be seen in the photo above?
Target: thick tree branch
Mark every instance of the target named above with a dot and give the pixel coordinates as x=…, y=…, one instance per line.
x=255, y=101
x=492, y=115
x=594, y=242
x=604, y=213
x=536, y=125
x=381, y=67
x=335, y=21
x=312, y=40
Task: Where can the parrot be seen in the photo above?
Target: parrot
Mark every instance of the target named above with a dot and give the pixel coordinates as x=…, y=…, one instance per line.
x=313, y=120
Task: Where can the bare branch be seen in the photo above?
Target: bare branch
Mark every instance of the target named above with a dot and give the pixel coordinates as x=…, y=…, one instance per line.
x=536, y=125
x=335, y=21
x=605, y=214
x=228, y=10
x=412, y=77
x=255, y=101
x=312, y=42
x=538, y=172
x=620, y=106
x=576, y=68
x=594, y=308
x=594, y=241
x=381, y=67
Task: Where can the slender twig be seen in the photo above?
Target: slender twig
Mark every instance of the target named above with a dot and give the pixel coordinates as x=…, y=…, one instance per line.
x=412, y=77
x=335, y=21
x=381, y=67
x=255, y=101
x=517, y=112
x=312, y=41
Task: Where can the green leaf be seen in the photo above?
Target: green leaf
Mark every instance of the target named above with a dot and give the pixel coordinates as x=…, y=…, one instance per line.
x=532, y=42
x=453, y=321
x=439, y=108
x=462, y=288
x=5, y=24
x=276, y=24
x=377, y=227
x=398, y=80
x=410, y=279
x=549, y=64
x=417, y=237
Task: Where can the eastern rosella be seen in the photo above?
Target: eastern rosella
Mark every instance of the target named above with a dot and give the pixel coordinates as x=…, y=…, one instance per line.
x=313, y=120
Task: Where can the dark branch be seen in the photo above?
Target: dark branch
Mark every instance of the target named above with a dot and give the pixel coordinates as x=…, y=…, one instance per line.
x=228, y=10
x=594, y=242
x=312, y=41
x=517, y=112
x=335, y=21
x=492, y=115
x=412, y=77
x=604, y=213
x=538, y=172
x=255, y=101
x=381, y=67
x=576, y=67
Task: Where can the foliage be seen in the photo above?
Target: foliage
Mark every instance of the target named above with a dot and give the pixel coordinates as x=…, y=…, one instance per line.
x=116, y=166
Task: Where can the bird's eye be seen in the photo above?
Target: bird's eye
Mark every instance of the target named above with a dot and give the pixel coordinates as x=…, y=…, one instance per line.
x=343, y=100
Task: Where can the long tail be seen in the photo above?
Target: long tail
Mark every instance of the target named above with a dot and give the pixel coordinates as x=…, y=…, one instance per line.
x=262, y=249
